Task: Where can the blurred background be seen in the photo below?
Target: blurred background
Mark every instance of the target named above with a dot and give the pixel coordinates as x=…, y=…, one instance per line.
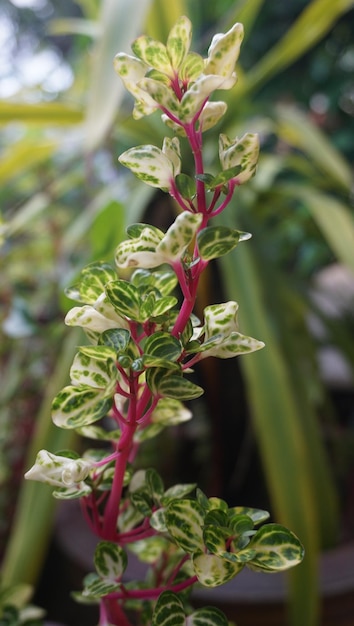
x=274, y=430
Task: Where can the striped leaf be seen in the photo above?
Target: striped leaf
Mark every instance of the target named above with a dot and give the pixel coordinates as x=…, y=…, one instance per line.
x=215, y=241
x=94, y=278
x=213, y=571
x=207, y=616
x=184, y=520
x=163, y=345
x=171, y=385
x=168, y=611
x=116, y=339
x=125, y=298
x=97, y=587
x=276, y=548
x=75, y=407
x=163, y=280
x=110, y=560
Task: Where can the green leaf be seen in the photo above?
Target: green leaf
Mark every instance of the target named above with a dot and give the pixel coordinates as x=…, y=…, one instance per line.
x=215, y=241
x=213, y=571
x=208, y=616
x=186, y=186
x=276, y=549
x=75, y=407
x=110, y=560
x=184, y=520
x=163, y=345
x=168, y=611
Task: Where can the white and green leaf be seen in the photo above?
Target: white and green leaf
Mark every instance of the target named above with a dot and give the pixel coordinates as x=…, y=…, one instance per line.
x=184, y=520
x=110, y=560
x=276, y=549
x=213, y=571
x=168, y=611
x=75, y=407
x=215, y=241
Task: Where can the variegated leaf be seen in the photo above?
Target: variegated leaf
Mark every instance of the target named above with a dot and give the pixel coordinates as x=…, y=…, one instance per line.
x=75, y=407
x=157, y=521
x=179, y=235
x=92, y=283
x=170, y=412
x=116, y=339
x=177, y=492
x=215, y=241
x=163, y=280
x=163, y=345
x=150, y=165
x=197, y=94
x=211, y=115
x=276, y=548
x=223, y=52
x=168, y=611
x=110, y=560
x=171, y=385
x=207, y=616
x=179, y=41
x=138, y=250
x=240, y=152
x=71, y=493
x=93, y=320
x=99, y=373
x=192, y=67
x=125, y=298
x=161, y=93
x=149, y=550
x=258, y=516
x=131, y=70
x=96, y=587
x=153, y=53
x=212, y=570
x=184, y=520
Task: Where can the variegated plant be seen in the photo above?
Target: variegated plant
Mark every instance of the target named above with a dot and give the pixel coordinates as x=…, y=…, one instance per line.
x=129, y=383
